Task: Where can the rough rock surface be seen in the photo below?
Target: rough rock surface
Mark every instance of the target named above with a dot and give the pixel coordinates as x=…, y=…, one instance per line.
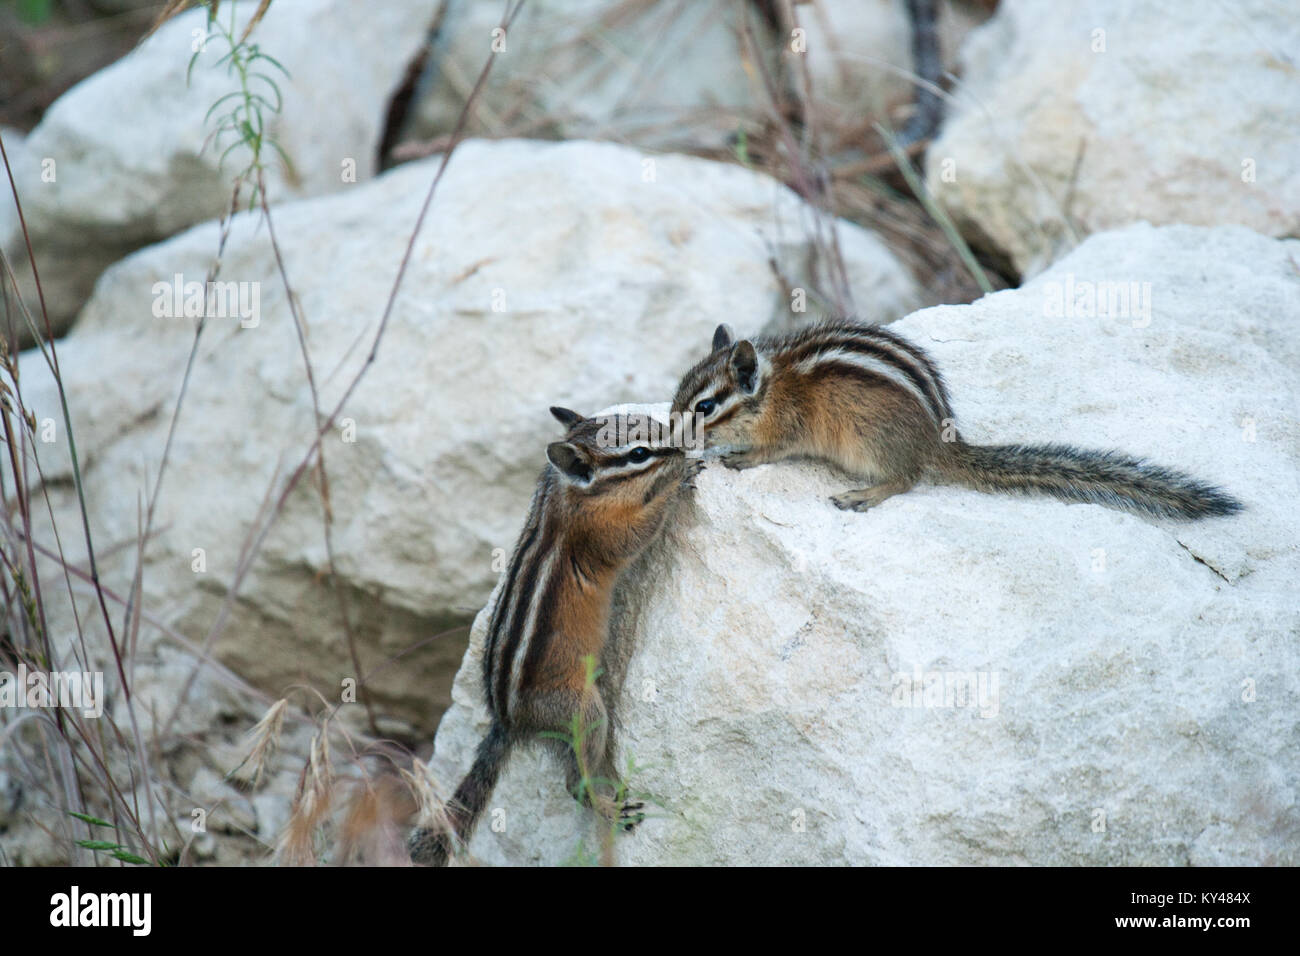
x=655, y=74
x=125, y=158
x=546, y=273
x=665, y=74
x=1146, y=672
x=1072, y=119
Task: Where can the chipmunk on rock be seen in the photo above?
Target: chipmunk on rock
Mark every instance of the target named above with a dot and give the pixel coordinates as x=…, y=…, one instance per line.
x=598, y=504
x=868, y=401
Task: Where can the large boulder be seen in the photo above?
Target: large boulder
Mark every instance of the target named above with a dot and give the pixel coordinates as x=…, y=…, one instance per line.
x=127, y=157
x=798, y=681
x=546, y=273
x=1074, y=118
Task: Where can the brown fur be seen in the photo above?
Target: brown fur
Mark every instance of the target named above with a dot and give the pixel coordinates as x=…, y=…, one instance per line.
x=592, y=515
x=875, y=406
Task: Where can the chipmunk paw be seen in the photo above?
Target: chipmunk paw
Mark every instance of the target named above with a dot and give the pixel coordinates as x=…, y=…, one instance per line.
x=630, y=814
x=693, y=468
x=852, y=501
x=740, y=460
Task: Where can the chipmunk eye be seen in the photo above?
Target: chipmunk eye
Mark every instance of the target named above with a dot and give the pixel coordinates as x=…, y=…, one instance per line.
x=638, y=454
x=705, y=406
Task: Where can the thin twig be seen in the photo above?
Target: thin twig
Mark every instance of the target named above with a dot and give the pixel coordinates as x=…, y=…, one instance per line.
x=255, y=544
x=299, y=325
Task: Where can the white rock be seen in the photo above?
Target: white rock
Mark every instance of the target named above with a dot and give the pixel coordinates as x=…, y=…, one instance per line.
x=545, y=274
x=1146, y=672
x=1079, y=117
x=860, y=54
x=125, y=157
x=667, y=76
x=658, y=75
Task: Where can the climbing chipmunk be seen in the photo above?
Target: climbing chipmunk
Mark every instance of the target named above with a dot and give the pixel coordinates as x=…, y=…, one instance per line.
x=868, y=401
x=598, y=504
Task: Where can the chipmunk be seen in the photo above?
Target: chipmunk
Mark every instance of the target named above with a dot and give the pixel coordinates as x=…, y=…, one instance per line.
x=871, y=403
x=598, y=504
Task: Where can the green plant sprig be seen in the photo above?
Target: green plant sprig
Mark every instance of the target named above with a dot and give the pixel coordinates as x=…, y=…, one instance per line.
x=258, y=94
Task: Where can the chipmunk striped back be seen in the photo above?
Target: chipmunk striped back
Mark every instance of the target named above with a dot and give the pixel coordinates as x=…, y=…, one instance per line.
x=557, y=552
x=598, y=504
x=873, y=404
x=869, y=354
x=516, y=617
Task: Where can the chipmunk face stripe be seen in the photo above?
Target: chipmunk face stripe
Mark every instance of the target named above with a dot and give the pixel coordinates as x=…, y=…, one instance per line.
x=711, y=394
x=630, y=457
x=724, y=416
x=627, y=463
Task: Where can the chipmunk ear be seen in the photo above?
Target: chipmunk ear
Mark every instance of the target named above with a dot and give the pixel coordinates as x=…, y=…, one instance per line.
x=565, y=416
x=722, y=336
x=744, y=362
x=569, y=460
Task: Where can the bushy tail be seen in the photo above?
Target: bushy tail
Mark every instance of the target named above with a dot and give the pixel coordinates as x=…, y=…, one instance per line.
x=1103, y=477
x=432, y=847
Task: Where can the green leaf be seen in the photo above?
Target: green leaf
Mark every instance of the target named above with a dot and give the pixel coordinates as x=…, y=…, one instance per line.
x=208, y=115
x=89, y=819
x=99, y=844
x=271, y=83
x=126, y=857
x=190, y=69
x=259, y=55
x=288, y=163
x=237, y=143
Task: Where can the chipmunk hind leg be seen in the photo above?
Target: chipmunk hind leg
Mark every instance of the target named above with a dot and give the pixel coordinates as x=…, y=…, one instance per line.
x=590, y=776
x=589, y=772
x=887, y=453
x=862, y=499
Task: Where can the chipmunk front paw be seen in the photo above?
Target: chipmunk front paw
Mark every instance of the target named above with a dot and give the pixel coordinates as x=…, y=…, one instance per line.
x=740, y=460
x=693, y=467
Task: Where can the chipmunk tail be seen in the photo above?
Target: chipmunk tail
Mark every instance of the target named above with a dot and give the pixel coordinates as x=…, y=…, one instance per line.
x=1100, y=477
x=433, y=847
